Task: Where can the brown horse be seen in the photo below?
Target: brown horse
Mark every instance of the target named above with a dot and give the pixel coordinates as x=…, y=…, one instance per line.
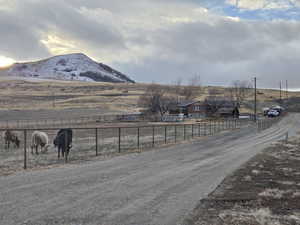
x=11, y=137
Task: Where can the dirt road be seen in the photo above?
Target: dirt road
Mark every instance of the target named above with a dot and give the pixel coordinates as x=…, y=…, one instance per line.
x=157, y=187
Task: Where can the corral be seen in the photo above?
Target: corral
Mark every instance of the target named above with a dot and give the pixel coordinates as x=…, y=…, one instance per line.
x=92, y=141
x=98, y=141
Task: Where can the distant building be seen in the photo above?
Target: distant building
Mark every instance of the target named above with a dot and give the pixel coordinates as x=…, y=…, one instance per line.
x=221, y=106
x=212, y=106
x=189, y=108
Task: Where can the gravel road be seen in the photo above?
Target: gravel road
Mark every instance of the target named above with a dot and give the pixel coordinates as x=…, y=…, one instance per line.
x=157, y=187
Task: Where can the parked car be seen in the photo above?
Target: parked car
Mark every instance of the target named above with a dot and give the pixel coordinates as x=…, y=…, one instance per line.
x=266, y=110
x=278, y=109
x=273, y=113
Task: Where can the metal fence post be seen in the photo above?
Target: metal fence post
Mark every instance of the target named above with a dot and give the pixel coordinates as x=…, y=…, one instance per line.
x=192, y=130
x=96, y=136
x=215, y=127
x=138, y=138
x=199, y=129
x=119, y=140
x=175, y=133
x=25, y=150
x=153, y=135
x=165, y=134
x=66, y=147
x=184, y=132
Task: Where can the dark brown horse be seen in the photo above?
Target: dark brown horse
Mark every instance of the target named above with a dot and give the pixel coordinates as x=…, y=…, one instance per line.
x=63, y=141
x=11, y=137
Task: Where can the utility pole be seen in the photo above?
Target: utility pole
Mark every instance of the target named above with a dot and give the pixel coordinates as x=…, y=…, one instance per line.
x=287, y=93
x=255, y=100
x=287, y=90
x=280, y=93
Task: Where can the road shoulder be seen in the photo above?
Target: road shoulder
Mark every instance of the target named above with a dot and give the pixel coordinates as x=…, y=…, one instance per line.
x=265, y=190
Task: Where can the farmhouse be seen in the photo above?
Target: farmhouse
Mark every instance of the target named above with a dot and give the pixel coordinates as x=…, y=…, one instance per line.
x=211, y=106
x=189, y=108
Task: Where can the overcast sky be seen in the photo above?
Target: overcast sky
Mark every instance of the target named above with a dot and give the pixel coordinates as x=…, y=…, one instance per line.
x=162, y=40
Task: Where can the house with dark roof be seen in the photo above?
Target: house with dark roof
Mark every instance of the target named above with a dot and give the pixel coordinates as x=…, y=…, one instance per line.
x=189, y=108
x=211, y=106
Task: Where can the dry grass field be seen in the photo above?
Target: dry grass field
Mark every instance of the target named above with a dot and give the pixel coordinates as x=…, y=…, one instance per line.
x=23, y=99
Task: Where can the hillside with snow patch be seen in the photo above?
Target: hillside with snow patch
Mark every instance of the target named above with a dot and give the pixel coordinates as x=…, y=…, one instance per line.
x=77, y=67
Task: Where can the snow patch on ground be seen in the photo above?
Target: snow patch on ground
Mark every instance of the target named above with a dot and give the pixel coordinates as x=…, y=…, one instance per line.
x=247, y=178
x=273, y=193
x=286, y=182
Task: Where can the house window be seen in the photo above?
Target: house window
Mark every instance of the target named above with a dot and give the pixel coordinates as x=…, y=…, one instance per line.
x=197, y=108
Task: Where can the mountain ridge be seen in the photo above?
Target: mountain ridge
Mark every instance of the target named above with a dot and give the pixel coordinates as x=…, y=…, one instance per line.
x=75, y=66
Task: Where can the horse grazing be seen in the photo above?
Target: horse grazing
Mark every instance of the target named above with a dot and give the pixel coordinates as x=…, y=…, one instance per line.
x=11, y=137
x=63, y=141
x=41, y=139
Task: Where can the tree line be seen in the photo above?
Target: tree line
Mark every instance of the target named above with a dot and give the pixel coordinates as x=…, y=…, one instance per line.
x=159, y=99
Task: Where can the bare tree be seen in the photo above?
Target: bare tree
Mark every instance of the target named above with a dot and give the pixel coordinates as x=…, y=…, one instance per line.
x=156, y=100
x=178, y=84
x=214, y=103
x=193, y=89
x=239, y=90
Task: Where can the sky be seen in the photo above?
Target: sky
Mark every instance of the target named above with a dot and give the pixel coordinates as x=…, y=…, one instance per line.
x=161, y=41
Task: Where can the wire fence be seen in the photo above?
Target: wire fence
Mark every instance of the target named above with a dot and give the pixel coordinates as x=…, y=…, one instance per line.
x=94, y=141
x=86, y=121
x=76, y=121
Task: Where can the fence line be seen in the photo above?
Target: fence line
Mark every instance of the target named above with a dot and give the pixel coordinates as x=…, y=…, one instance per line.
x=51, y=122
x=58, y=122
x=93, y=141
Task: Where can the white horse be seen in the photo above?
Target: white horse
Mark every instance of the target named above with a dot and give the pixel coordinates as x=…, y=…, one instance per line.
x=39, y=138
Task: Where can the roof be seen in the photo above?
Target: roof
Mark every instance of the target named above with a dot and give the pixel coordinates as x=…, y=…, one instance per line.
x=186, y=103
x=225, y=110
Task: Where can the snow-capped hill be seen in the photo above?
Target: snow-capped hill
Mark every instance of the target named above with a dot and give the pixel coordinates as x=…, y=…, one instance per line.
x=68, y=67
